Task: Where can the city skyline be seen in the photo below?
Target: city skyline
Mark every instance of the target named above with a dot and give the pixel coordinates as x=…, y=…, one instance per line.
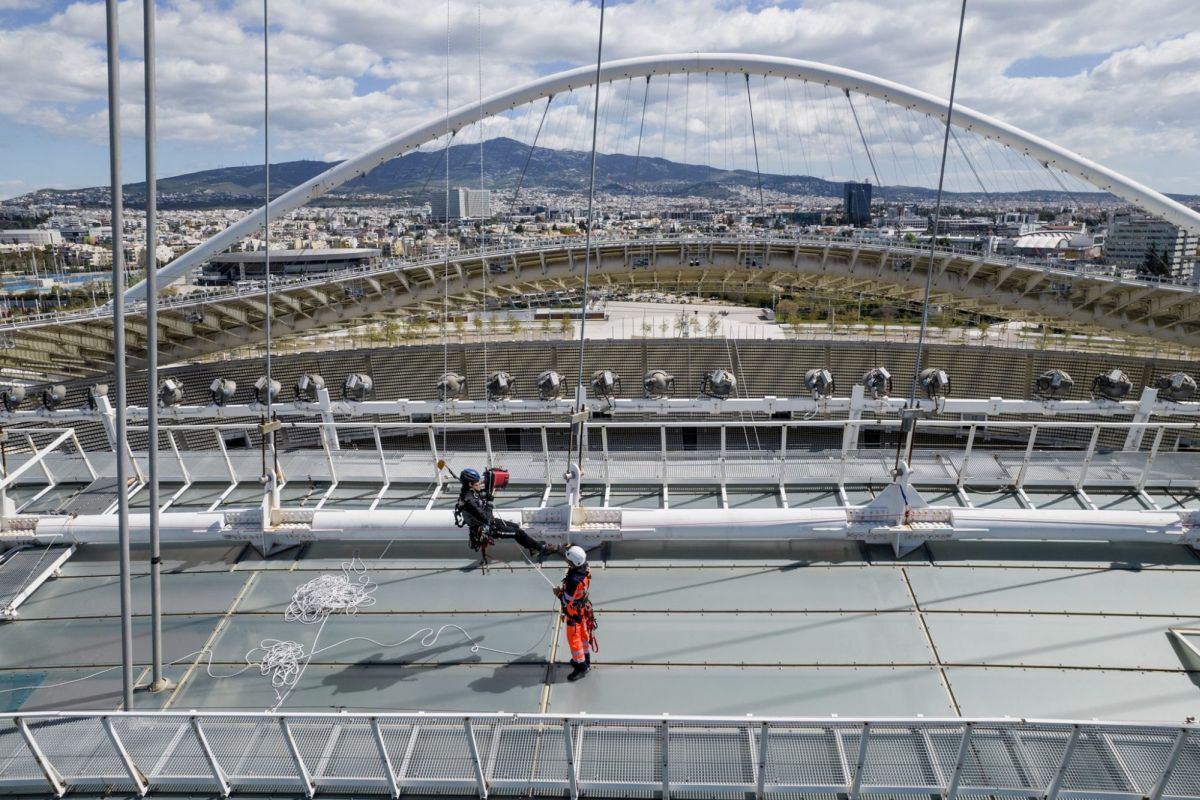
x=1110, y=83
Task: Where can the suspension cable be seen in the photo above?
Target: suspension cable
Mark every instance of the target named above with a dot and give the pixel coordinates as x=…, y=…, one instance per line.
x=512, y=206
x=863, y=136
x=937, y=216
x=486, y=266
x=754, y=138
x=637, y=158
x=267, y=238
x=587, y=258
x=970, y=164
x=446, y=245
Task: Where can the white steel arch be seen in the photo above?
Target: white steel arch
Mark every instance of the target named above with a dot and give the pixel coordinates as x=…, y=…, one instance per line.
x=1047, y=152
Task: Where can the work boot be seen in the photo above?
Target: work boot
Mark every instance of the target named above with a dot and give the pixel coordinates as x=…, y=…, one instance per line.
x=578, y=670
x=547, y=550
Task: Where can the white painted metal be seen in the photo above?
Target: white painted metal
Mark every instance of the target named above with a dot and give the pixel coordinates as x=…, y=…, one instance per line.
x=849, y=80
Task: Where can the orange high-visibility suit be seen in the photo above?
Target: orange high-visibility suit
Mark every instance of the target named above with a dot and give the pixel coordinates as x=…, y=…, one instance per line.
x=577, y=610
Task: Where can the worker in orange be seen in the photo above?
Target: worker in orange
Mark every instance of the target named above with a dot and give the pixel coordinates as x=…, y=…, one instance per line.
x=577, y=611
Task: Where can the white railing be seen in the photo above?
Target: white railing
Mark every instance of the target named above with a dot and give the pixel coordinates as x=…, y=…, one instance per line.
x=160, y=753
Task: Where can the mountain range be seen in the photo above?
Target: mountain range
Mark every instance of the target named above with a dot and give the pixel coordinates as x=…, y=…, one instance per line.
x=418, y=175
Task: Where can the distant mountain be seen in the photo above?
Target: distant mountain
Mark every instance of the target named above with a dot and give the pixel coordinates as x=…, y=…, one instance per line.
x=418, y=175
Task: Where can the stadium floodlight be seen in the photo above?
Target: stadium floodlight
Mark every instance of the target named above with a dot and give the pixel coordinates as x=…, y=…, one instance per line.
x=260, y=390
x=819, y=382
x=606, y=383
x=12, y=397
x=549, y=385
x=170, y=392
x=95, y=392
x=657, y=384
x=221, y=391
x=720, y=383
x=935, y=382
x=500, y=385
x=357, y=386
x=1053, y=384
x=308, y=386
x=1178, y=387
x=878, y=383
x=52, y=396
x=1111, y=386
x=452, y=386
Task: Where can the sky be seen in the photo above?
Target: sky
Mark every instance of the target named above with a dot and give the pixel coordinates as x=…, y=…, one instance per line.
x=1116, y=81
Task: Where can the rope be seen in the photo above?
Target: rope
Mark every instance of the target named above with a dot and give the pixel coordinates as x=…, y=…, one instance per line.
x=329, y=594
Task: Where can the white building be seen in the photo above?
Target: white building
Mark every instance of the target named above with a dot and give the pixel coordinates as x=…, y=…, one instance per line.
x=37, y=237
x=464, y=204
x=1131, y=237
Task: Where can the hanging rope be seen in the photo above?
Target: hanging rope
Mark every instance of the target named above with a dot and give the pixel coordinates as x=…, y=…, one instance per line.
x=754, y=138
x=267, y=242
x=863, y=136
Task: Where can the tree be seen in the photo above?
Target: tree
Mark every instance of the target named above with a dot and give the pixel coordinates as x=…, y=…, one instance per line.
x=910, y=238
x=712, y=323
x=647, y=329
x=545, y=326
x=514, y=324
x=566, y=326
x=477, y=322
x=786, y=310
x=460, y=326
x=1155, y=264
x=664, y=326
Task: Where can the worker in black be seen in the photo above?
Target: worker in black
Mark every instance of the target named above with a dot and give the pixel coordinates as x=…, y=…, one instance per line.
x=474, y=511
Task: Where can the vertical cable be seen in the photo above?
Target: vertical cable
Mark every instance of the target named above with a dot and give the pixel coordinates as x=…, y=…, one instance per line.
x=267, y=238
x=587, y=258
x=937, y=216
x=637, y=158
x=754, y=139
x=446, y=239
x=863, y=136
x=151, y=91
x=118, y=283
x=484, y=261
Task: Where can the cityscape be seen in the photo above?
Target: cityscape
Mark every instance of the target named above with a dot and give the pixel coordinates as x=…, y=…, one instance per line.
x=718, y=398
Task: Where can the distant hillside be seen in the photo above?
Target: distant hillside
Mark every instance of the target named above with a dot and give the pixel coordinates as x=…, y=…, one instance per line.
x=417, y=175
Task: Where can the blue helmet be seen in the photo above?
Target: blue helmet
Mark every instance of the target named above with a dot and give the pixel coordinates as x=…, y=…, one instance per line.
x=469, y=475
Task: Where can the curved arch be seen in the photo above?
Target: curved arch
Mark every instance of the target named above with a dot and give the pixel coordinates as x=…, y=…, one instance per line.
x=849, y=80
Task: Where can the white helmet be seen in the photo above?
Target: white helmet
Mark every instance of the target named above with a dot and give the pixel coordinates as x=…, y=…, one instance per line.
x=576, y=555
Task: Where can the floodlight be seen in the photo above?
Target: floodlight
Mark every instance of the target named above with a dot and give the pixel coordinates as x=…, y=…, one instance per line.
x=934, y=382
x=357, y=386
x=549, y=385
x=12, y=397
x=1113, y=386
x=500, y=385
x=1178, y=387
x=170, y=392
x=1053, y=384
x=720, y=383
x=221, y=390
x=657, y=384
x=878, y=383
x=308, y=386
x=260, y=390
x=819, y=382
x=52, y=396
x=95, y=393
x=452, y=386
x=606, y=383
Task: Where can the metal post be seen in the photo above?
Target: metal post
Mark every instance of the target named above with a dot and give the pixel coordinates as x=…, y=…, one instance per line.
x=763, y=748
x=475, y=762
x=572, y=775
x=385, y=757
x=118, y=284
x=856, y=786
x=1056, y=784
x=1169, y=767
x=135, y=775
x=217, y=773
x=664, y=730
x=52, y=777
x=157, y=682
x=302, y=773
x=963, y=750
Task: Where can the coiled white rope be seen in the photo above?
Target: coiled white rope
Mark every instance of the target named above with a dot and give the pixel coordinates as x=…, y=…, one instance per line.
x=328, y=594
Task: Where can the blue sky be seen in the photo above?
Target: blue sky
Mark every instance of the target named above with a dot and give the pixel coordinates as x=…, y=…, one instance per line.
x=1112, y=81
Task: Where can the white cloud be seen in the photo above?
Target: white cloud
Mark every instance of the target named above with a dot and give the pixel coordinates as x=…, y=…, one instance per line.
x=349, y=73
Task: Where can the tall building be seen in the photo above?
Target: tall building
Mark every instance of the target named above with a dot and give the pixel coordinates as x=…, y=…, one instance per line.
x=857, y=203
x=464, y=204
x=1133, y=238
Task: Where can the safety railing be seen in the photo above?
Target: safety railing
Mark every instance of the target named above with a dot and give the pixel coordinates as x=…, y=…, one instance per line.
x=162, y=753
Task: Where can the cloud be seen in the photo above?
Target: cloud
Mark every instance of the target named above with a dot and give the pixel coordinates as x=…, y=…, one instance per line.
x=347, y=74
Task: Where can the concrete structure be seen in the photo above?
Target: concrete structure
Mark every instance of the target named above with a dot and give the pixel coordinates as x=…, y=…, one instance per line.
x=233, y=267
x=37, y=237
x=1132, y=237
x=464, y=204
